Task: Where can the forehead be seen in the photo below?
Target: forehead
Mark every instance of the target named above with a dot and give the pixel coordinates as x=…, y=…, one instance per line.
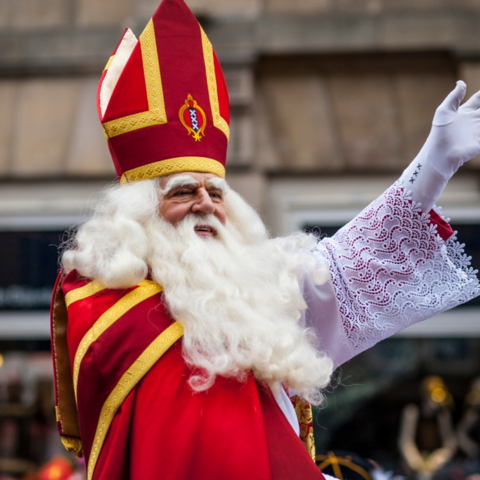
x=202, y=179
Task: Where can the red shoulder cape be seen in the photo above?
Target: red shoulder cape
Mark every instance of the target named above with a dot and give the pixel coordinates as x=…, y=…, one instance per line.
x=162, y=429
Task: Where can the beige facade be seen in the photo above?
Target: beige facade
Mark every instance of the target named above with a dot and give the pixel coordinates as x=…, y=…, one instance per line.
x=319, y=88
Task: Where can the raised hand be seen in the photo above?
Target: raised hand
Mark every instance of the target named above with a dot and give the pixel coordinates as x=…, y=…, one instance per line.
x=454, y=139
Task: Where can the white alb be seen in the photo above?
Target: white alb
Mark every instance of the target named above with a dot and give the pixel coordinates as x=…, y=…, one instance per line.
x=389, y=269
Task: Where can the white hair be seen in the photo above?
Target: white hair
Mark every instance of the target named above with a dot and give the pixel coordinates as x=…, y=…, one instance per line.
x=238, y=295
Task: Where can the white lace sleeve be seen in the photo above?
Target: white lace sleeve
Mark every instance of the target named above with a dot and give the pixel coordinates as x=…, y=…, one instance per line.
x=389, y=269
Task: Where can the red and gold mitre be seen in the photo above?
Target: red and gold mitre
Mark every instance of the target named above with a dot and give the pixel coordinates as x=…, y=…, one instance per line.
x=163, y=101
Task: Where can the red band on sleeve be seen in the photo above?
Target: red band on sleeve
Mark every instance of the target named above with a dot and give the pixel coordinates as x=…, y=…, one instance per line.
x=443, y=228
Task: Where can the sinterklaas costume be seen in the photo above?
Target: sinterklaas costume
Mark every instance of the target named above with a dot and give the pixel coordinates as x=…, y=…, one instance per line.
x=122, y=393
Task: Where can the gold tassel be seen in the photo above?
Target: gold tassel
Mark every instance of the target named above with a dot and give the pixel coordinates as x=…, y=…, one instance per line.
x=74, y=445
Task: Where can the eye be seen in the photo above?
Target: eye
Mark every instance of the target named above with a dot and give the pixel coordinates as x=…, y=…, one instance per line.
x=217, y=195
x=182, y=192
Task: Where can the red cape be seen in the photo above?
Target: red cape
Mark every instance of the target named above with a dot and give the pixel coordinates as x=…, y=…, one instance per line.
x=163, y=429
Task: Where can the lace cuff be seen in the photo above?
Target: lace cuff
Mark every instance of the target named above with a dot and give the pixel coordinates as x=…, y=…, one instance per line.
x=390, y=269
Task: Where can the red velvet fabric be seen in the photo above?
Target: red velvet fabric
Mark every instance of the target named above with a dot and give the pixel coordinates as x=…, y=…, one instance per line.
x=72, y=281
x=114, y=461
x=289, y=458
x=160, y=142
x=223, y=99
x=217, y=434
x=130, y=94
x=116, y=163
x=181, y=59
x=112, y=354
x=86, y=311
x=234, y=430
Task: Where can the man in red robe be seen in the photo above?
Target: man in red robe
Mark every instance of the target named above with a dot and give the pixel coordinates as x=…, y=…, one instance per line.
x=180, y=329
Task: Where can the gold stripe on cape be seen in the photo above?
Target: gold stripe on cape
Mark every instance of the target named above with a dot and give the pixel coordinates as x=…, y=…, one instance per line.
x=130, y=378
x=145, y=289
x=83, y=292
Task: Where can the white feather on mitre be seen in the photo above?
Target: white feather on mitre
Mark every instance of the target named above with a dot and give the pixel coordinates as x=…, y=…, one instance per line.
x=124, y=50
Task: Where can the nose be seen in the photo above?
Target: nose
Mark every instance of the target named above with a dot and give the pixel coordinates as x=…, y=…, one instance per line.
x=203, y=203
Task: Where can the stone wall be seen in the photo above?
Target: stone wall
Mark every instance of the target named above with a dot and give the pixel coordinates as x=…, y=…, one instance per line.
x=327, y=86
x=50, y=128
x=365, y=6
x=352, y=112
x=46, y=14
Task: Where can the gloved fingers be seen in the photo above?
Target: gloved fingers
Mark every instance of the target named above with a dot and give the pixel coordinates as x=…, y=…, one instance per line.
x=447, y=111
x=473, y=102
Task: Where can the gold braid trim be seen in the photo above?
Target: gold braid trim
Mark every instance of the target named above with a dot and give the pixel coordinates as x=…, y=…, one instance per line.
x=218, y=120
x=83, y=292
x=130, y=378
x=146, y=289
x=110, y=60
x=305, y=418
x=73, y=445
x=174, y=165
x=156, y=114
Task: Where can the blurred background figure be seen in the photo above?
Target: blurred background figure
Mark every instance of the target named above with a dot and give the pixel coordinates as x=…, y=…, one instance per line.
x=331, y=100
x=468, y=429
x=427, y=440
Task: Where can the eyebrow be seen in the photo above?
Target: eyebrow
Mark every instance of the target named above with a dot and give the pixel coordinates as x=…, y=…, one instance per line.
x=181, y=181
x=218, y=183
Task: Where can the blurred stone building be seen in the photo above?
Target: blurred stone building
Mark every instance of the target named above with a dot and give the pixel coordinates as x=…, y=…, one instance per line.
x=331, y=99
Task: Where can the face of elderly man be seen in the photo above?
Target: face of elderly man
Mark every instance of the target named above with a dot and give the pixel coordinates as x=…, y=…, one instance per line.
x=193, y=193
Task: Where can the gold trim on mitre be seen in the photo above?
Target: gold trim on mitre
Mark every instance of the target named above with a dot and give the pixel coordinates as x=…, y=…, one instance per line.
x=174, y=165
x=156, y=113
x=218, y=120
x=110, y=60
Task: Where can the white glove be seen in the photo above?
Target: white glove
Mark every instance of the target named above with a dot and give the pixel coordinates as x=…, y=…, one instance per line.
x=453, y=140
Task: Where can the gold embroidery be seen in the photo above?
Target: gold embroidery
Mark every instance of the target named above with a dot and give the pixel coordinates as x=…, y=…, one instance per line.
x=130, y=378
x=305, y=419
x=218, y=120
x=146, y=289
x=197, y=134
x=174, y=165
x=110, y=60
x=83, y=292
x=57, y=414
x=156, y=114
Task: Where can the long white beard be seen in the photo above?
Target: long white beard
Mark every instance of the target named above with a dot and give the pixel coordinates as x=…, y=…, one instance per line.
x=240, y=305
x=238, y=296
